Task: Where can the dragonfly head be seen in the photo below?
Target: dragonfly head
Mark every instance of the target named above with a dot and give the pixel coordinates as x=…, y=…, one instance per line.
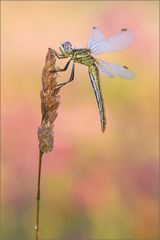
x=66, y=48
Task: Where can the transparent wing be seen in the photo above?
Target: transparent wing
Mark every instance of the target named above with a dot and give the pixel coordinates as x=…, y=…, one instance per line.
x=104, y=68
x=119, y=41
x=112, y=70
x=97, y=37
x=122, y=71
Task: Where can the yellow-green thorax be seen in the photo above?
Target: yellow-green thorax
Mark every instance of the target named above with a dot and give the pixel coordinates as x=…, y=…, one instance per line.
x=83, y=56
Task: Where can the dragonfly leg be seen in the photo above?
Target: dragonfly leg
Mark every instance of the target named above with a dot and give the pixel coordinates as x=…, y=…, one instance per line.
x=58, y=55
x=62, y=69
x=70, y=79
x=65, y=68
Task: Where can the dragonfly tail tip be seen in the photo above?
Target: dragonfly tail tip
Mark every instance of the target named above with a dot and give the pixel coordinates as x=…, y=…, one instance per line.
x=103, y=129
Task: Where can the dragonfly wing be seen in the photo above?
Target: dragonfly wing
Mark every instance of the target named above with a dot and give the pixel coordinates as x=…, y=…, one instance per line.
x=122, y=71
x=97, y=37
x=104, y=68
x=94, y=77
x=119, y=41
x=112, y=70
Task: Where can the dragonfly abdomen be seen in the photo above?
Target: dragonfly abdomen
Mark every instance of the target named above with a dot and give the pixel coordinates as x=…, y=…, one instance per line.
x=83, y=56
x=95, y=81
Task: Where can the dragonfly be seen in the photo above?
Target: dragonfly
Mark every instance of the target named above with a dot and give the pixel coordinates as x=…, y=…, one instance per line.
x=97, y=44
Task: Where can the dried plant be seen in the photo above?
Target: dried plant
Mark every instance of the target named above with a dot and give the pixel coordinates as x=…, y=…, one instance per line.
x=49, y=105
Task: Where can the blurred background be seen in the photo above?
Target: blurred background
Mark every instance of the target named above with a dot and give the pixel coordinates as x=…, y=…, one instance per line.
x=94, y=185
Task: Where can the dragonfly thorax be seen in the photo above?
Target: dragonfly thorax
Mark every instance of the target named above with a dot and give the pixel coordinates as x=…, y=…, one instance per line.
x=66, y=48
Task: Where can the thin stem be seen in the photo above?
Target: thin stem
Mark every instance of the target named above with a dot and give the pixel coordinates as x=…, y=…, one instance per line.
x=38, y=194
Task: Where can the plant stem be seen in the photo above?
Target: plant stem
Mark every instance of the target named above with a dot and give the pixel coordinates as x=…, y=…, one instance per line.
x=38, y=194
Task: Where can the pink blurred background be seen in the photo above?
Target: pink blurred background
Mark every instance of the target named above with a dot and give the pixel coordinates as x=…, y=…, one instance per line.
x=94, y=185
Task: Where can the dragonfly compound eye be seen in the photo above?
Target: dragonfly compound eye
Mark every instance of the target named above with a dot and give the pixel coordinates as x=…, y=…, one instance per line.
x=67, y=47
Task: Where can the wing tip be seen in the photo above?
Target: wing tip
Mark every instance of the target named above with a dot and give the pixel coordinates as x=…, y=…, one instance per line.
x=124, y=29
x=126, y=67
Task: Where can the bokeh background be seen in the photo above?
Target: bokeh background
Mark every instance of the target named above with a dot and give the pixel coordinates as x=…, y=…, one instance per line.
x=94, y=185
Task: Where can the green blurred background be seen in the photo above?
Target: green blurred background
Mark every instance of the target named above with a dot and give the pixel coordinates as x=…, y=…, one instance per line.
x=94, y=185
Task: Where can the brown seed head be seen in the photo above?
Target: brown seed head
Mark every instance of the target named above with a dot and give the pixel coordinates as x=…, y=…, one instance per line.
x=49, y=103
